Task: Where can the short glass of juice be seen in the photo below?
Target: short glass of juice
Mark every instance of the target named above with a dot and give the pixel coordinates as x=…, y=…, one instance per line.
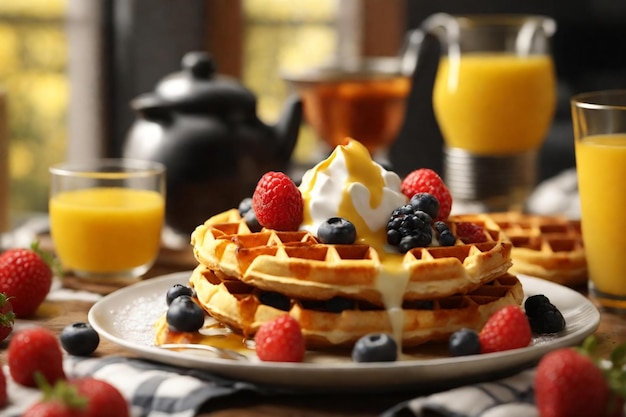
x=106, y=216
x=599, y=121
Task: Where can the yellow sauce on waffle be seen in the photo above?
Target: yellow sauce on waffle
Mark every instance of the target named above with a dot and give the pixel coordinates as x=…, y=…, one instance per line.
x=362, y=171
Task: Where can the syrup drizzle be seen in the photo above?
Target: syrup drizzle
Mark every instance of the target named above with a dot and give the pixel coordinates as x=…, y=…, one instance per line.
x=366, y=196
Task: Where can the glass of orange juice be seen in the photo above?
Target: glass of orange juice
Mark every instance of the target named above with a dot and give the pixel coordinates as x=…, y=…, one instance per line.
x=106, y=216
x=599, y=120
x=494, y=98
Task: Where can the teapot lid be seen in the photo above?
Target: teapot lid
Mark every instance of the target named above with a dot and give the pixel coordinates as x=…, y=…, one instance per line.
x=199, y=87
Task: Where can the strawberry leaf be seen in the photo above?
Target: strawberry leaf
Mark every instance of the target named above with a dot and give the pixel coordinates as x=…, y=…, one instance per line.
x=7, y=319
x=52, y=261
x=618, y=356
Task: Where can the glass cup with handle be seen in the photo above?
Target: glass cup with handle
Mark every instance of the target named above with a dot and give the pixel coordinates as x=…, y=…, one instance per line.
x=494, y=98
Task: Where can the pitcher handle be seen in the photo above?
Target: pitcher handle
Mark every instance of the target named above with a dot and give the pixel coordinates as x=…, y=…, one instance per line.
x=410, y=51
x=414, y=39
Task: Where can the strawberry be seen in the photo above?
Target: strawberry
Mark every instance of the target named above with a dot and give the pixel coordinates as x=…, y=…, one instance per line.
x=470, y=232
x=103, y=399
x=59, y=400
x=83, y=397
x=3, y=389
x=280, y=340
x=426, y=180
x=277, y=202
x=26, y=277
x=32, y=350
x=7, y=317
x=507, y=328
x=52, y=408
x=568, y=383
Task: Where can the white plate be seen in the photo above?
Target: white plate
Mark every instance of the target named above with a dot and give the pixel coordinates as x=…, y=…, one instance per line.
x=126, y=317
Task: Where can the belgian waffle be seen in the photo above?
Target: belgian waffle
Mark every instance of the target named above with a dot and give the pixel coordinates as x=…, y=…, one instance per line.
x=548, y=247
x=245, y=307
x=297, y=265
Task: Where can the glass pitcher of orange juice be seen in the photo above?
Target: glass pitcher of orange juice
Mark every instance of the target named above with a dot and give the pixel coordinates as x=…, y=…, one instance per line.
x=494, y=98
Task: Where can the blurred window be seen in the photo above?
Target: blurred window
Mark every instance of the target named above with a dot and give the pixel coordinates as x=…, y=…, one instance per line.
x=33, y=58
x=35, y=41
x=285, y=35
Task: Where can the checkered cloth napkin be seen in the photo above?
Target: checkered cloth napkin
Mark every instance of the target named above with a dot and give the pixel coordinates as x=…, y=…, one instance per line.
x=158, y=390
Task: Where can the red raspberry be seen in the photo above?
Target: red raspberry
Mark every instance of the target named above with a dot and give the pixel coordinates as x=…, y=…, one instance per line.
x=280, y=340
x=277, y=202
x=426, y=180
x=470, y=232
x=507, y=328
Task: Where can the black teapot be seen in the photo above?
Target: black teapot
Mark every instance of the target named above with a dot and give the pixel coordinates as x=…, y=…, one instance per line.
x=204, y=128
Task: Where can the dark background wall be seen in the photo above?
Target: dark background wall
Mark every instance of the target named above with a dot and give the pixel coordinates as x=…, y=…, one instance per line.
x=589, y=49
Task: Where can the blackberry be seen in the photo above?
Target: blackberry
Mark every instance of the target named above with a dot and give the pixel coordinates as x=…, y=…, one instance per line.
x=543, y=316
x=337, y=230
x=409, y=228
x=375, y=347
x=464, y=342
x=427, y=203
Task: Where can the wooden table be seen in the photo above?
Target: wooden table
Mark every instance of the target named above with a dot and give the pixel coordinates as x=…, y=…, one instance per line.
x=57, y=315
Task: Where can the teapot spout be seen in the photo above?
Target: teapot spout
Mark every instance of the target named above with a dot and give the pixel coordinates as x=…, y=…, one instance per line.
x=287, y=128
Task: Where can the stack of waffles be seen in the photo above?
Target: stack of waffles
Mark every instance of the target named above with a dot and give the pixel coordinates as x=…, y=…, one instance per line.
x=548, y=247
x=339, y=293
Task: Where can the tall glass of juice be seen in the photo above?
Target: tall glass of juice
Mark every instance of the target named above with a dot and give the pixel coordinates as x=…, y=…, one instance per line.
x=599, y=120
x=106, y=216
x=494, y=98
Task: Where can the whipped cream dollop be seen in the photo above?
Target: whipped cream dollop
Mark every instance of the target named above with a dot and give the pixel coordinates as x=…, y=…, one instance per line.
x=351, y=185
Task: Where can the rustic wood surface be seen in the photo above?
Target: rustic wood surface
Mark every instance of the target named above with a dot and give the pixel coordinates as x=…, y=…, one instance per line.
x=56, y=315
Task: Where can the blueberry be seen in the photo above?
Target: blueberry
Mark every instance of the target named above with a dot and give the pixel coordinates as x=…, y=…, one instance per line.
x=446, y=238
x=244, y=206
x=375, y=347
x=337, y=230
x=177, y=290
x=464, y=342
x=252, y=221
x=184, y=315
x=79, y=339
x=543, y=316
x=441, y=226
x=426, y=202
